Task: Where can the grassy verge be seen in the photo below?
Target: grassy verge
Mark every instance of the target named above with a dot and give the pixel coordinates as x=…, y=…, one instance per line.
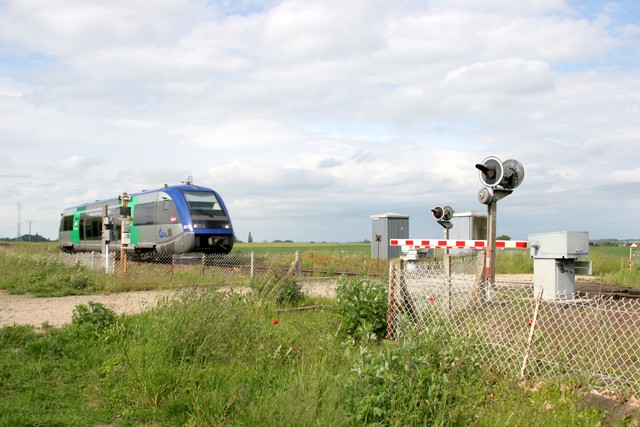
x=211, y=359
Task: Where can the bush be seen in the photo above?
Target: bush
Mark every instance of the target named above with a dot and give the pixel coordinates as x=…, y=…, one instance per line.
x=280, y=289
x=428, y=378
x=94, y=314
x=361, y=308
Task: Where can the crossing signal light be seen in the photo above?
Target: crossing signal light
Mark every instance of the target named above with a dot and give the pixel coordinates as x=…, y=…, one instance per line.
x=506, y=175
x=442, y=213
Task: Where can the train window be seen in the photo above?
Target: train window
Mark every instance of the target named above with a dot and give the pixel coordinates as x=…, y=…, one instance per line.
x=144, y=214
x=66, y=224
x=91, y=226
x=167, y=212
x=203, y=202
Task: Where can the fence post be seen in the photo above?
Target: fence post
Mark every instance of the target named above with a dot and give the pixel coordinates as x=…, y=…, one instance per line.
x=479, y=288
x=395, y=276
x=527, y=352
x=203, y=263
x=297, y=271
x=447, y=269
x=252, y=267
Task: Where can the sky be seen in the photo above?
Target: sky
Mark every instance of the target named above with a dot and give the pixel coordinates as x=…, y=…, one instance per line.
x=309, y=116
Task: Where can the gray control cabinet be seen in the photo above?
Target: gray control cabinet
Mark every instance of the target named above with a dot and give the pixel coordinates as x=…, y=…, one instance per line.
x=467, y=226
x=554, y=262
x=385, y=227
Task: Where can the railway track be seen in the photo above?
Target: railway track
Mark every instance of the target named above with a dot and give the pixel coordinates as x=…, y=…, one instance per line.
x=599, y=289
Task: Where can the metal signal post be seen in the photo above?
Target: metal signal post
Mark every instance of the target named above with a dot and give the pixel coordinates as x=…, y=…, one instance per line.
x=499, y=179
x=125, y=227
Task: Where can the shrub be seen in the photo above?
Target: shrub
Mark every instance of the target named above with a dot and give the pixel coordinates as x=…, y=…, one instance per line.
x=427, y=378
x=94, y=314
x=361, y=308
x=281, y=289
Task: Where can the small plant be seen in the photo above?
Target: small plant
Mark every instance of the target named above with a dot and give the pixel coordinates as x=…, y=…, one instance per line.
x=361, y=307
x=281, y=289
x=93, y=314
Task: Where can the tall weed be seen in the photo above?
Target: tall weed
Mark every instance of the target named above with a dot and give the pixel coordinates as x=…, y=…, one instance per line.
x=427, y=378
x=281, y=289
x=361, y=308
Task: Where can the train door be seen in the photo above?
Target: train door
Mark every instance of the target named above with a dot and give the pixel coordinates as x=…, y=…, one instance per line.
x=168, y=224
x=144, y=229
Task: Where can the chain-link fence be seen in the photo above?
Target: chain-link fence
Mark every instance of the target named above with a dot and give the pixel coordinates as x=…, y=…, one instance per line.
x=236, y=264
x=596, y=337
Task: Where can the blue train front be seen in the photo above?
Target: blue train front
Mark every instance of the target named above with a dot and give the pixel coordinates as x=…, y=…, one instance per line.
x=173, y=219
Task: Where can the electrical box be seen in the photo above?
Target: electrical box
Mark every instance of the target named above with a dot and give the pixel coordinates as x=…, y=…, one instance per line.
x=467, y=226
x=559, y=245
x=385, y=227
x=108, y=235
x=126, y=232
x=554, y=262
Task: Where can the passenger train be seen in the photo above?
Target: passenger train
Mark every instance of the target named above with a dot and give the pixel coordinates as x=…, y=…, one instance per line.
x=170, y=220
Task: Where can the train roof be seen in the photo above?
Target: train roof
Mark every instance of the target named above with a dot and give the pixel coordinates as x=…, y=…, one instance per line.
x=169, y=188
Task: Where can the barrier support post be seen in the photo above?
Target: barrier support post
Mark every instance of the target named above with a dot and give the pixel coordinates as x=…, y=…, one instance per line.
x=252, y=266
x=395, y=276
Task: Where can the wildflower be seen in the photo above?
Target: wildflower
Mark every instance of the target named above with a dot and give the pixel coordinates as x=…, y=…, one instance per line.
x=491, y=397
x=275, y=321
x=432, y=299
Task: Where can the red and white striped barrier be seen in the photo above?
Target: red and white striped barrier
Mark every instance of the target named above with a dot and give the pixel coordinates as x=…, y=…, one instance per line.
x=450, y=244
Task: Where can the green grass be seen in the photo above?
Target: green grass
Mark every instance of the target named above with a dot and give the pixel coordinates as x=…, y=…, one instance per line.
x=340, y=248
x=36, y=268
x=210, y=359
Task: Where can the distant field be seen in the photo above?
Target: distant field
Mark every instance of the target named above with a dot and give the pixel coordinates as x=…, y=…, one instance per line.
x=346, y=248
x=612, y=250
x=610, y=263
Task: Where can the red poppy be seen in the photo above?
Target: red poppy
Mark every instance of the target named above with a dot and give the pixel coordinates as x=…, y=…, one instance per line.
x=432, y=299
x=275, y=321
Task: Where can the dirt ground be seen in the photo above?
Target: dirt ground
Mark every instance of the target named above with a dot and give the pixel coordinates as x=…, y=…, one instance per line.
x=28, y=310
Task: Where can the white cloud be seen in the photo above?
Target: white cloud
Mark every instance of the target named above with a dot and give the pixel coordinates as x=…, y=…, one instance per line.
x=298, y=109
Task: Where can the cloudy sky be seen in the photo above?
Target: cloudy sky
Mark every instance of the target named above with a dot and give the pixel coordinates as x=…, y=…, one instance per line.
x=308, y=116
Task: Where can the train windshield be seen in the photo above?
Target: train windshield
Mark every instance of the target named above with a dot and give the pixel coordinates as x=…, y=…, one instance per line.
x=203, y=203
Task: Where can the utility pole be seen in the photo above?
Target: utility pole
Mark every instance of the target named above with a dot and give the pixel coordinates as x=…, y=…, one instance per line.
x=19, y=237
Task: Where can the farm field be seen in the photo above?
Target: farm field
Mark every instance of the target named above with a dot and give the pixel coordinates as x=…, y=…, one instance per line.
x=344, y=248
x=329, y=259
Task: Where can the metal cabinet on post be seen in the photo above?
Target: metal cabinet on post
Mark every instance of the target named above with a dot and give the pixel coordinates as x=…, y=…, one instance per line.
x=555, y=262
x=385, y=227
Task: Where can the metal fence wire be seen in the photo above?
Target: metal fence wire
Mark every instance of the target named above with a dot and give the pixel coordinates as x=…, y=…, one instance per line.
x=237, y=264
x=595, y=337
